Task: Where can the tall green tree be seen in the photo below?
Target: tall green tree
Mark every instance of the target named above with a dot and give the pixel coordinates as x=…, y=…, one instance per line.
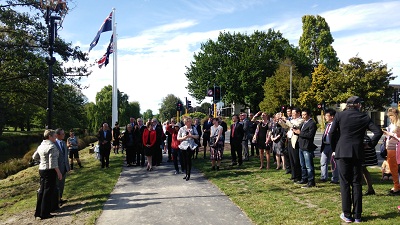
x=148, y=115
x=23, y=73
x=316, y=42
x=239, y=64
x=168, y=107
x=368, y=80
x=277, y=88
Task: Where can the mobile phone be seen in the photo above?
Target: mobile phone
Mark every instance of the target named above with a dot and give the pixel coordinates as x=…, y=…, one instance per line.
x=384, y=129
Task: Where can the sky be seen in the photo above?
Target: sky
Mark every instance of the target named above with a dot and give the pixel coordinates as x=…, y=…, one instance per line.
x=157, y=38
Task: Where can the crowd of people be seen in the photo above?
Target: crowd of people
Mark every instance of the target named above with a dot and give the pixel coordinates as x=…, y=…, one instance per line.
x=289, y=139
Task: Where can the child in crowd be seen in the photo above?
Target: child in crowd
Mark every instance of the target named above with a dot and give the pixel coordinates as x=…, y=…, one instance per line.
x=386, y=174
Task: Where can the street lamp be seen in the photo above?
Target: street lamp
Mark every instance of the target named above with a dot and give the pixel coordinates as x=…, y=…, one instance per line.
x=55, y=9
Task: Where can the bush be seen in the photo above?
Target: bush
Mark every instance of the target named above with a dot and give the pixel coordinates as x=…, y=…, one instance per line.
x=3, y=146
x=12, y=166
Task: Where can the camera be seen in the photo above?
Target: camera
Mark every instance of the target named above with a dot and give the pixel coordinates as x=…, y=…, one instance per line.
x=295, y=127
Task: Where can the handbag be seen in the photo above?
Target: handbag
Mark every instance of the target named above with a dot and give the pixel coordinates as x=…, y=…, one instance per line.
x=213, y=138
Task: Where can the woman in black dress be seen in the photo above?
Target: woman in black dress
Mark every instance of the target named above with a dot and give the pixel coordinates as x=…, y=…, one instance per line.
x=263, y=138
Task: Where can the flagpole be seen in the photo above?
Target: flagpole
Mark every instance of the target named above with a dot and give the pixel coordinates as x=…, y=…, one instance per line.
x=115, y=86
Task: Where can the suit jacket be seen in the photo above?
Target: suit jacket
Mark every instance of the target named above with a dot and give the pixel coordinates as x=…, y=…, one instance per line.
x=347, y=134
x=238, y=134
x=107, y=138
x=246, y=127
x=323, y=135
x=307, y=134
x=63, y=164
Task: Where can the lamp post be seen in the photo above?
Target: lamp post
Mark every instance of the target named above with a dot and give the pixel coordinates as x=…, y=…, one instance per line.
x=58, y=7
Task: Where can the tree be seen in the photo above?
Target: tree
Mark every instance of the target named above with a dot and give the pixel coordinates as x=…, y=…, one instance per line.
x=369, y=81
x=277, y=88
x=148, y=115
x=23, y=50
x=239, y=64
x=168, y=107
x=316, y=42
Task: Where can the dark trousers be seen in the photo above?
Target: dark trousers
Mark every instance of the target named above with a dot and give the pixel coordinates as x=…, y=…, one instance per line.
x=169, y=149
x=157, y=156
x=177, y=154
x=253, y=146
x=350, y=175
x=46, y=192
x=294, y=162
x=187, y=158
x=105, y=156
x=139, y=156
x=236, y=148
x=130, y=155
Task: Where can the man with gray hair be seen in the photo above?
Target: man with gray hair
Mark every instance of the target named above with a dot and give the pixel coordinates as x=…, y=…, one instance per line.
x=63, y=164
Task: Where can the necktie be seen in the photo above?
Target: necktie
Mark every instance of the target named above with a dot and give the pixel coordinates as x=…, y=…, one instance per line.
x=326, y=131
x=61, y=147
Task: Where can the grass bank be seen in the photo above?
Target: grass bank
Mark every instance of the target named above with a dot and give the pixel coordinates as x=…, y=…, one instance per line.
x=86, y=191
x=269, y=197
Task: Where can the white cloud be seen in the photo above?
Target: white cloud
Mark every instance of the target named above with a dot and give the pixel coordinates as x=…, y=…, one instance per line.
x=152, y=64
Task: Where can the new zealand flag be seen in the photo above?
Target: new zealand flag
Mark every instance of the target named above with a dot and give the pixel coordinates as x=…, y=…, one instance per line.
x=106, y=26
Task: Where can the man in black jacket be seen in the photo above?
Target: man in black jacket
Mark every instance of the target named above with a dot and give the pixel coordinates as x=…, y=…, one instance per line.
x=236, y=138
x=347, y=135
x=306, y=148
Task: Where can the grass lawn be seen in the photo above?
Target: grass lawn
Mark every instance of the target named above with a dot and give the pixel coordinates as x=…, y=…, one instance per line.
x=269, y=197
x=86, y=190
x=266, y=196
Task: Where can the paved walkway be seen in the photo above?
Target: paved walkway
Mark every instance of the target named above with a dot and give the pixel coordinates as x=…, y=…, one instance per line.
x=160, y=197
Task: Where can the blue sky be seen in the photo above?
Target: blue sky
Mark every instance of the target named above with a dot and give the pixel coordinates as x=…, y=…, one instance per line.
x=157, y=38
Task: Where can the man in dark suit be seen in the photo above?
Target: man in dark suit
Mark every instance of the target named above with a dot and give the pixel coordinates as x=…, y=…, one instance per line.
x=105, y=138
x=63, y=164
x=348, y=128
x=306, y=149
x=236, y=138
x=141, y=127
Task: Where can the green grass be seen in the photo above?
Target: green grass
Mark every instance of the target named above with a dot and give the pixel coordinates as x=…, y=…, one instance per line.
x=86, y=188
x=269, y=197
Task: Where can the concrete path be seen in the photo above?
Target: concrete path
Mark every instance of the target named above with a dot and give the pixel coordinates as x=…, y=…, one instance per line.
x=160, y=197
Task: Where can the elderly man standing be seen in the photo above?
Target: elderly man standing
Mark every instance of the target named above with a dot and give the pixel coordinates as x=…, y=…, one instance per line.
x=63, y=164
x=348, y=128
x=105, y=137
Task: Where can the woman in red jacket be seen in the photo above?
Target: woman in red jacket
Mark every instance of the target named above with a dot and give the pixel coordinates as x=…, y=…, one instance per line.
x=173, y=129
x=149, y=140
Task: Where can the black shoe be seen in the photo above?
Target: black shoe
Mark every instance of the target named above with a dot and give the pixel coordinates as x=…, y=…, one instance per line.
x=47, y=217
x=187, y=178
x=288, y=171
x=322, y=180
x=369, y=193
x=309, y=185
x=391, y=192
x=184, y=177
x=62, y=202
x=213, y=168
x=302, y=182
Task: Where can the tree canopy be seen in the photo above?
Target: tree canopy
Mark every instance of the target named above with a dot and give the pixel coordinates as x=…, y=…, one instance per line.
x=316, y=42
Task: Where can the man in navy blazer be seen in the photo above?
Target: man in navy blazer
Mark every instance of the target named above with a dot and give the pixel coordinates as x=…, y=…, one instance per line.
x=105, y=137
x=348, y=128
x=306, y=148
x=236, y=138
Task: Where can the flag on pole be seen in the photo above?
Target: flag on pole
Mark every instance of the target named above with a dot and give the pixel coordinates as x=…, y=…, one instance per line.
x=106, y=26
x=105, y=58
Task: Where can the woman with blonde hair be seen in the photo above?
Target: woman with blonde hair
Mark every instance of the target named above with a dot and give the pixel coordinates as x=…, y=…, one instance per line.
x=186, y=136
x=391, y=141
